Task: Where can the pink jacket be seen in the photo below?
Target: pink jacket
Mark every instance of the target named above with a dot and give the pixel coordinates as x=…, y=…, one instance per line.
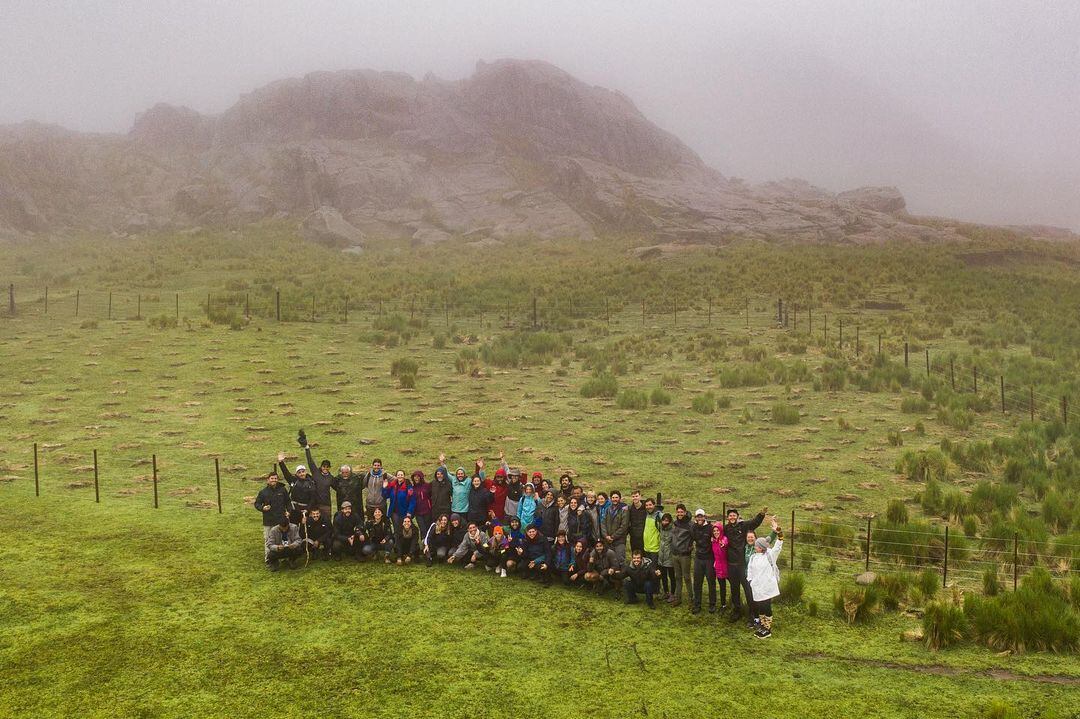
x=719, y=552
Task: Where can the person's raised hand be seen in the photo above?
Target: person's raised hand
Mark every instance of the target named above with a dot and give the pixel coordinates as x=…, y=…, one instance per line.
x=442, y=458
x=281, y=456
x=480, y=463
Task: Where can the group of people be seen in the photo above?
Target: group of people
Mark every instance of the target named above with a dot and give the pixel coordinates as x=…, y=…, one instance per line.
x=514, y=523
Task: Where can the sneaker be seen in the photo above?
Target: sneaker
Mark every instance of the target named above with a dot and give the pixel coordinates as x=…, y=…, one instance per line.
x=487, y=568
x=762, y=634
x=502, y=573
x=470, y=565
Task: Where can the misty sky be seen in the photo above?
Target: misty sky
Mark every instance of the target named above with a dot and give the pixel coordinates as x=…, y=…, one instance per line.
x=971, y=108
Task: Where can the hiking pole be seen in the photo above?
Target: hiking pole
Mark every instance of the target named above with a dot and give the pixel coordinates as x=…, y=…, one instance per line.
x=307, y=547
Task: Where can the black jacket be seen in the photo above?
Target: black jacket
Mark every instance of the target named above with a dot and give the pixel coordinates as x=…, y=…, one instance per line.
x=345, y=527
x=377, y=532
x=278, y=499
x=646, y=571
x=549, y=519
x=441, y=494
x=322, y=481
x=681, y=538
x=601, y=561
x=317, y=531
x=736, y=537
x=479, y=504
x=637, y=519
x=457, y=534
x=579, y=526
x=436, y=539
x=537, y=550
x=702, y=535
x=407, y=545
x=349, y=489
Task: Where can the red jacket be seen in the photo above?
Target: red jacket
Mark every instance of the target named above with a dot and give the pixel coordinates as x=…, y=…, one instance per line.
x=498, y=502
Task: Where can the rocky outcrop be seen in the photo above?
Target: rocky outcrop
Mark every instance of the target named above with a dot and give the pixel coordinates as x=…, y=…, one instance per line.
x=518, y=149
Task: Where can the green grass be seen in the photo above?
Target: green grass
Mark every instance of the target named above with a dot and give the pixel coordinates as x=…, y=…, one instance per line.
x=120, y=610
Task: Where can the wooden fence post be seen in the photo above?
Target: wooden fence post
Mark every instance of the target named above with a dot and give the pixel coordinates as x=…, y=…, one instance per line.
x=76, y=303
x=793, y=540
x=868, y=544
x=110, y=305
x=46, y=299
x=710, y=311
x=945, y=564
x=217, y=475
x=312, y=306
x=905, y=354
x=1003, y=394
x=37, y=487
x=247, y=304
x=927, y=361
x=1031, y=402
x=974, y=379
x=952, y=372
x=1065, y=410
x=177, y=305
x=277, y=304
x=154, y=461
x=858, y=349
x=138, y=311
x=97, y=494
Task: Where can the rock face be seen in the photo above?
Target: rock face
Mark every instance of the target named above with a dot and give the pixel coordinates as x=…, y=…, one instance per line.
x=520, y=148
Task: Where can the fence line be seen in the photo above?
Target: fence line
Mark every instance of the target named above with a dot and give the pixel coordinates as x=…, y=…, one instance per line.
x=857, y=545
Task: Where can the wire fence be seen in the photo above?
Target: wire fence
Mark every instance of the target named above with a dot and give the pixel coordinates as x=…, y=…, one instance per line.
x=814, y=544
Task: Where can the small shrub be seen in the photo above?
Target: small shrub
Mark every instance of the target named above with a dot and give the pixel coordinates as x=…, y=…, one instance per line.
x=791, y=587
x=857, y=605
x=971, y=526
x=407, y=380
x=466, y=361
x=897, y=512
x=944, y=625
x=723, y=402
x=439, y=341
x=914, y=405
x=671, y=381
x=162, y=322
x=991, y=585
x=1036, y=616
x=88, y=325
x=632, y=399
x=660, y=397
x=920, y=429
x=704, y=403
x=843, y=424
x=404, y=366
x=602, y=385
x=895, y=438
x=784, y=414
x=812, y=609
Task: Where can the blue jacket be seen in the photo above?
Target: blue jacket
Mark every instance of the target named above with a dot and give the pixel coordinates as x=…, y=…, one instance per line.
x=562, y=555
x=459, y=499
x=527, y=510
x=402, y=499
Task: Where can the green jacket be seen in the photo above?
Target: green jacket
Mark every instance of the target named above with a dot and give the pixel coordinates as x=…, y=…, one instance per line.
x=651, y=535
x=749, y=549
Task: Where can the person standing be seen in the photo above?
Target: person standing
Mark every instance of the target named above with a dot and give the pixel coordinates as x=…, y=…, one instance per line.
x=735, y=530
x=441, y=492
x=373, y=482
x=650, y=535
x=402, y=497
x=719, y=549
x=422, y=490
x=763, y=576
x=681, y=544
x=301, y=489
x=322, y=481
x=636, y=515
x=665, y=559
x=273, y=501
x=701, y=533
x=347, y=488
x=527, y=507
x=616, y=524
x=459, y=488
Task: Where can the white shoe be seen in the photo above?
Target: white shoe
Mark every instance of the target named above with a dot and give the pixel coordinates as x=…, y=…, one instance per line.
x=502, y=573
x=487, y=568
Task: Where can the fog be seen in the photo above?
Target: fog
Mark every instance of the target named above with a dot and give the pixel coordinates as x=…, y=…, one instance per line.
x=971, y=108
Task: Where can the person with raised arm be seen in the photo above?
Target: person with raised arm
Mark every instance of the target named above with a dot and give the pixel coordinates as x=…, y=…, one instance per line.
x=441, y=492
x=763, y=576
x=735, y=530
x=301, y=489
x=701, y=532
x=322, y=479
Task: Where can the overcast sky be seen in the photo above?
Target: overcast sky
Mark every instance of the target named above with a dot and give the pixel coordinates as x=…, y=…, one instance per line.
x=971, y=108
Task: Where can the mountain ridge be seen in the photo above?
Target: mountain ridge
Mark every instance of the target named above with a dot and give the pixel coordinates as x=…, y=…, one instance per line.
x=518, y=148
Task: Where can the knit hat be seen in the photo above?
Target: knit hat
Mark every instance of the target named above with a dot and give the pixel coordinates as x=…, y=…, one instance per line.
x=537, y=475
x=455, y=516
x=761, y=543
x=500, y=472
x=300, y=468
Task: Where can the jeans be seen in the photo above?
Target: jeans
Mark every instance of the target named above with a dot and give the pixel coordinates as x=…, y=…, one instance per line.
x=631, y=589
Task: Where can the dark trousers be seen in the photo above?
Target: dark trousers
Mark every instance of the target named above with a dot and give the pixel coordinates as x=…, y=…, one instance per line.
x=637, y=540
x=736, y=574
x=438, y=554
x=667, y=579
x=620, y=553
x=704, y=569
x=276, y=555
x=342, y=548
x=370, y=548
x=423, y=521
x=631, y=589
x=721, y=589
x=544, y=575
x=320, y=552
x=759, y=608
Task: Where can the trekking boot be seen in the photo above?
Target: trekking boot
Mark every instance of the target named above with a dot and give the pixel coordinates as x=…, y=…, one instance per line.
x=735, y=616
x=502, y=573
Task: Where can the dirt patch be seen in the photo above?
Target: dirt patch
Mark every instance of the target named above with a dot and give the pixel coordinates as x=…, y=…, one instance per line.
x=944, y=671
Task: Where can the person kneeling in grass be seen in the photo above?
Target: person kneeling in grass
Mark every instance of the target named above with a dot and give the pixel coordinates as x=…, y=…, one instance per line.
x=283, y=543
x=562, y=557
x=406, y=541
x=317, y=534
x=473, y=548
x=763, y=576
x=601, y=570
x=578, y=561
x=536, y=556
x=348, y=533
x=378, y=535
x=642, y=576
x=437, y=540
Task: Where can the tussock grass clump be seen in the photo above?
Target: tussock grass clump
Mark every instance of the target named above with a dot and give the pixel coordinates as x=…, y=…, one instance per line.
x=743, y=376
x=602, y=385
x=914, y=405
x=896, y=512
x=671, y=381
x=907, y=543
x=791, y=587
x=857, y=605
x=466, y=361
x=828, y=532
x=660, y=397
x=895, y=589
x=944, y=625
x=704, y=403
x=404, y=366
x=924, y=465
x=1037, y=616
x=632, y=399
x=523, y=349
x=786, y=414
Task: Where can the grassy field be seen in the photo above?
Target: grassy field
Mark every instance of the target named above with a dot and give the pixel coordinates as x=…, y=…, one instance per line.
x=115, y=609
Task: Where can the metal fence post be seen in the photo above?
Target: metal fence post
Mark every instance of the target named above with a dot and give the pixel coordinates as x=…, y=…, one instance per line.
x=793, y=539
x=945, y=565
x=37, y=488
x=868, y=544
x=217, y=476
x=97, y=494
x=154, y=460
